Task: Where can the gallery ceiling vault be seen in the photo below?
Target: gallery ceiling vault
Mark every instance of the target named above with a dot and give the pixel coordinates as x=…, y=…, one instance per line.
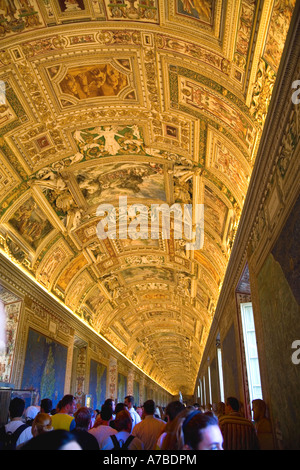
x=160, y=101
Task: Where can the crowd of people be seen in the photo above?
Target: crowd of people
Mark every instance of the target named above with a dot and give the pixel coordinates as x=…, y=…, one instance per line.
x=124, y=426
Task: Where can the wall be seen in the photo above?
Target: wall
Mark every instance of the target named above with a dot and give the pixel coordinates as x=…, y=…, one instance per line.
x=280, y=313
x=267, y=243
x=51, y=351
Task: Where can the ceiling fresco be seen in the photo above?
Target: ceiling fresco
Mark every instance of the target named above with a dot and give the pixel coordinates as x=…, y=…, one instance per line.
x=159, y=101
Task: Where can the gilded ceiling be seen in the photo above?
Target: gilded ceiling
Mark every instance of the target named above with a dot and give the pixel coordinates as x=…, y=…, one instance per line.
x=159, y=101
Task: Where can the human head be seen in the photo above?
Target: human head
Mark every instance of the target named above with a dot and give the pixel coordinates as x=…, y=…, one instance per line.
x=173, y=409
x=220, y=410
x=232, y=404
x=149, y=407
x=129, y=401
x=83, y=418
x=46, y=405
x=111, y=402
x=16, y=407
x=120, y=407
x=54, y=440
x=68, y=404
x=139, y=411
x=200, y=431
x=30, y=413
x=41, y=423
x=123, y=421
x=106, y=412
x=259, y=409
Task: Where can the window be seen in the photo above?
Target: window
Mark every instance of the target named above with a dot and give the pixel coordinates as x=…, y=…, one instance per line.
x=200, y=392
x=252, y=363
x=204, y=391
x=220, y=368
x=209, y=385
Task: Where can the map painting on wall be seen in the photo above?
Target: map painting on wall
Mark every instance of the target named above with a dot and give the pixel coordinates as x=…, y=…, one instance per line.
x=97, y=389
x=45, y=367
x=122, y=387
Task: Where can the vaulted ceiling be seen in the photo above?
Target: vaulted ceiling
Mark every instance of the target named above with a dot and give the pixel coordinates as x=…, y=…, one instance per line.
x=159, y=101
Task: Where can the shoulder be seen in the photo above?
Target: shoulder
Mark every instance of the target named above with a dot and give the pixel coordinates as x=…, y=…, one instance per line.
x=235, y=419
x=136, y=444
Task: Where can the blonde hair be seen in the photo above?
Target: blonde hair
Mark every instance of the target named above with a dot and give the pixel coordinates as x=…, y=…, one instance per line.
x=41, y=423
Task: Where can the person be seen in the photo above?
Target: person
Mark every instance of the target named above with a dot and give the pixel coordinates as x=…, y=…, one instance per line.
x=46, y=405
x=139, y=411
x=83, y=420
x=18, y=431
x=58, y=439
x=172, y=410
x=123, y=437
x=41, y=423
x=194, y=430
x=102, y=429
x=262, y=425
x=129, y=402
x=238, y=432
x=119, y=407
x=220, y=409
x=30, y=414
x=64, y=418
x=111, y=402
x=150, y=428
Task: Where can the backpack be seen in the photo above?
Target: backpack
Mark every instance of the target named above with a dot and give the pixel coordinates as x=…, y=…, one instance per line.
x=124, y=445
x=8, y=440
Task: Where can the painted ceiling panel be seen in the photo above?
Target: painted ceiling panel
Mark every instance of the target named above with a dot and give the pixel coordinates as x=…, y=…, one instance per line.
x=161, y=102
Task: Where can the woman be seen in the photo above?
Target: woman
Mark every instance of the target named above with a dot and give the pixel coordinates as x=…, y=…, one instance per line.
x=41, y=423
x=194, y=430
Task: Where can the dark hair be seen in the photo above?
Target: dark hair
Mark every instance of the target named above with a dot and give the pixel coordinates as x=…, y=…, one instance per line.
x=173, y=409
x=106, y=412
x=83, y=417
x=52, y=440
x=16, y=407
x=193, y=425
x=234, y=403
x=120, y=407
x=66, y=400
x=149, y=407
x=46, y=405
x=130, y=398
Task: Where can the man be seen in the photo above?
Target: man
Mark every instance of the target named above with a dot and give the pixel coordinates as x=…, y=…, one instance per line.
x=103, y=430
x=111, y=402
x=150, y=428
x=129, y=402
x=46, y=406
x=83, y=420
x=238, y=432
x=123, y=425
x=18, y=430
x=64, y=418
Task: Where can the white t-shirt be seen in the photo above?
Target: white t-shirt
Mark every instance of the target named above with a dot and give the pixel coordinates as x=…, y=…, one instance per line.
x=135, y=417
x=101, y=433
x=25, y=435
